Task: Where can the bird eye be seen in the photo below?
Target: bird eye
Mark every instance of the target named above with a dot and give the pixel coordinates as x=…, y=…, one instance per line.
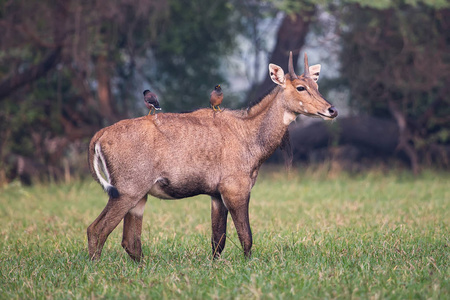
x=300, y=88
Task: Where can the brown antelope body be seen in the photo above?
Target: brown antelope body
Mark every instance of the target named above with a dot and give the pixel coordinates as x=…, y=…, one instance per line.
x=173, y=156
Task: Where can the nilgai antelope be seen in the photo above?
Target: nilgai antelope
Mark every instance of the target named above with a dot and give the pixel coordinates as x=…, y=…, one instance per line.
x=216, y=98
x=179, y=155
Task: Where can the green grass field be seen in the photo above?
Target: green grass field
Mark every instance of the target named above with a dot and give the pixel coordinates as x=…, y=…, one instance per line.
x=370, y=236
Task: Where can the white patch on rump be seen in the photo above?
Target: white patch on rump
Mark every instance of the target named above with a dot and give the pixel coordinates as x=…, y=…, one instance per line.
x=99, y=158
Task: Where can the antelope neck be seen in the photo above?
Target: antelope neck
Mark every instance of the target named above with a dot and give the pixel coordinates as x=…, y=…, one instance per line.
x=266, y=120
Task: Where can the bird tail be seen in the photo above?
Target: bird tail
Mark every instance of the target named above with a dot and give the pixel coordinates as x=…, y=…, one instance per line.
x=105, y=183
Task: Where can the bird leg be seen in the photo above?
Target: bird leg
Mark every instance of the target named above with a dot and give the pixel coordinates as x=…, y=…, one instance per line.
x=151, y=112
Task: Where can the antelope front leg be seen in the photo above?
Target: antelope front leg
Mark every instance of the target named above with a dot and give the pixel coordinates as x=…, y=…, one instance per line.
x=219, y=214
x=132, y=230
x=236, y=196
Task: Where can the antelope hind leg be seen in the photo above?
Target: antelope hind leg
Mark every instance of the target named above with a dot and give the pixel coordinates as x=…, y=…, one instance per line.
x=105, y=223
x=132, y=230
x=219, y=214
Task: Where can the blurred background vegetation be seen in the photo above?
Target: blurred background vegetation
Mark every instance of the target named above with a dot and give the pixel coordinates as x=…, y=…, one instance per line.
x=70, y=67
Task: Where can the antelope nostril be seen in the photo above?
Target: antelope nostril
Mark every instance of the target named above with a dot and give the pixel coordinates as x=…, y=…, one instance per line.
x=333, y=111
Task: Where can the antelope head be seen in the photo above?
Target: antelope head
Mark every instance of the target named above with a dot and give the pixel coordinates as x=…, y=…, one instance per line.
x=300, y=93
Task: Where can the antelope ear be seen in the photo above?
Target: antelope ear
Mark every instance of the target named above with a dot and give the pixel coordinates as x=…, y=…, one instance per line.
x=277, y=75
x=314, y=71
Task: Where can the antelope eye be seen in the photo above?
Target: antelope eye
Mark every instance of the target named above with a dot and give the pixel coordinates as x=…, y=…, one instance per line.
x=300, y=88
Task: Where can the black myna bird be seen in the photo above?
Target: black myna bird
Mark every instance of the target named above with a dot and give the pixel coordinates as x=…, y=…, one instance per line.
x=216, y=98
x=151, y=101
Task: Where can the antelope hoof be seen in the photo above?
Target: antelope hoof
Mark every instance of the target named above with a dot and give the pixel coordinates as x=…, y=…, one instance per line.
x=134, y=252
x=135, y=256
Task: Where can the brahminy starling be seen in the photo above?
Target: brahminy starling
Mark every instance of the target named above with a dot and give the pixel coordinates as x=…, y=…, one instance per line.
x=216, y=98
x=151, y=101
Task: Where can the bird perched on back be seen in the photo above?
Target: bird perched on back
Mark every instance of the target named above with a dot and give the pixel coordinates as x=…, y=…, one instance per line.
x=216, y=98
x=151, y=101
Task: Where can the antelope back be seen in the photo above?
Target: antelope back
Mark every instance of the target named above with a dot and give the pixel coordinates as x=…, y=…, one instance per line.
x=301, y=93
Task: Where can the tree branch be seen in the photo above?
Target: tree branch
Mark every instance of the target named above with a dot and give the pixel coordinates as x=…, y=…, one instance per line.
x=15, y=81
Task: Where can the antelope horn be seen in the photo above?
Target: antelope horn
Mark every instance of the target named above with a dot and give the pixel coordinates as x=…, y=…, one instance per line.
x=291, y=67
x=306, y=73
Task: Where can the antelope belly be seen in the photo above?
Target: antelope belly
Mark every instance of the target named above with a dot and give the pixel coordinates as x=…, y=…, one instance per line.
x=164, y=188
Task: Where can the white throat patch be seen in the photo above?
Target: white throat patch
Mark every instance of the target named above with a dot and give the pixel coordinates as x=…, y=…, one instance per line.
x=288, y=117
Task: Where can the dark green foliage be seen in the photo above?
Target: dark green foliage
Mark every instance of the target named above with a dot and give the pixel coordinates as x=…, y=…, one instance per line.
x=188, y=53
x=391, y=52
x=400, y=55
x=105, y=62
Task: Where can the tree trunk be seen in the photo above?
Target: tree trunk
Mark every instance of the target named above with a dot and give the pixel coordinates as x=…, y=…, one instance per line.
x=290, y=37
x=103, y=89
x=404, y=136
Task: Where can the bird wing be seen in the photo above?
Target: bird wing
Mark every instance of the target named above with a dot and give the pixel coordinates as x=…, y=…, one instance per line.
x=216, y=99
x=152, y=99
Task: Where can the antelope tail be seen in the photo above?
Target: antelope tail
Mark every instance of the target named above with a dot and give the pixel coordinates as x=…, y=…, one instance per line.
x=105, y=183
